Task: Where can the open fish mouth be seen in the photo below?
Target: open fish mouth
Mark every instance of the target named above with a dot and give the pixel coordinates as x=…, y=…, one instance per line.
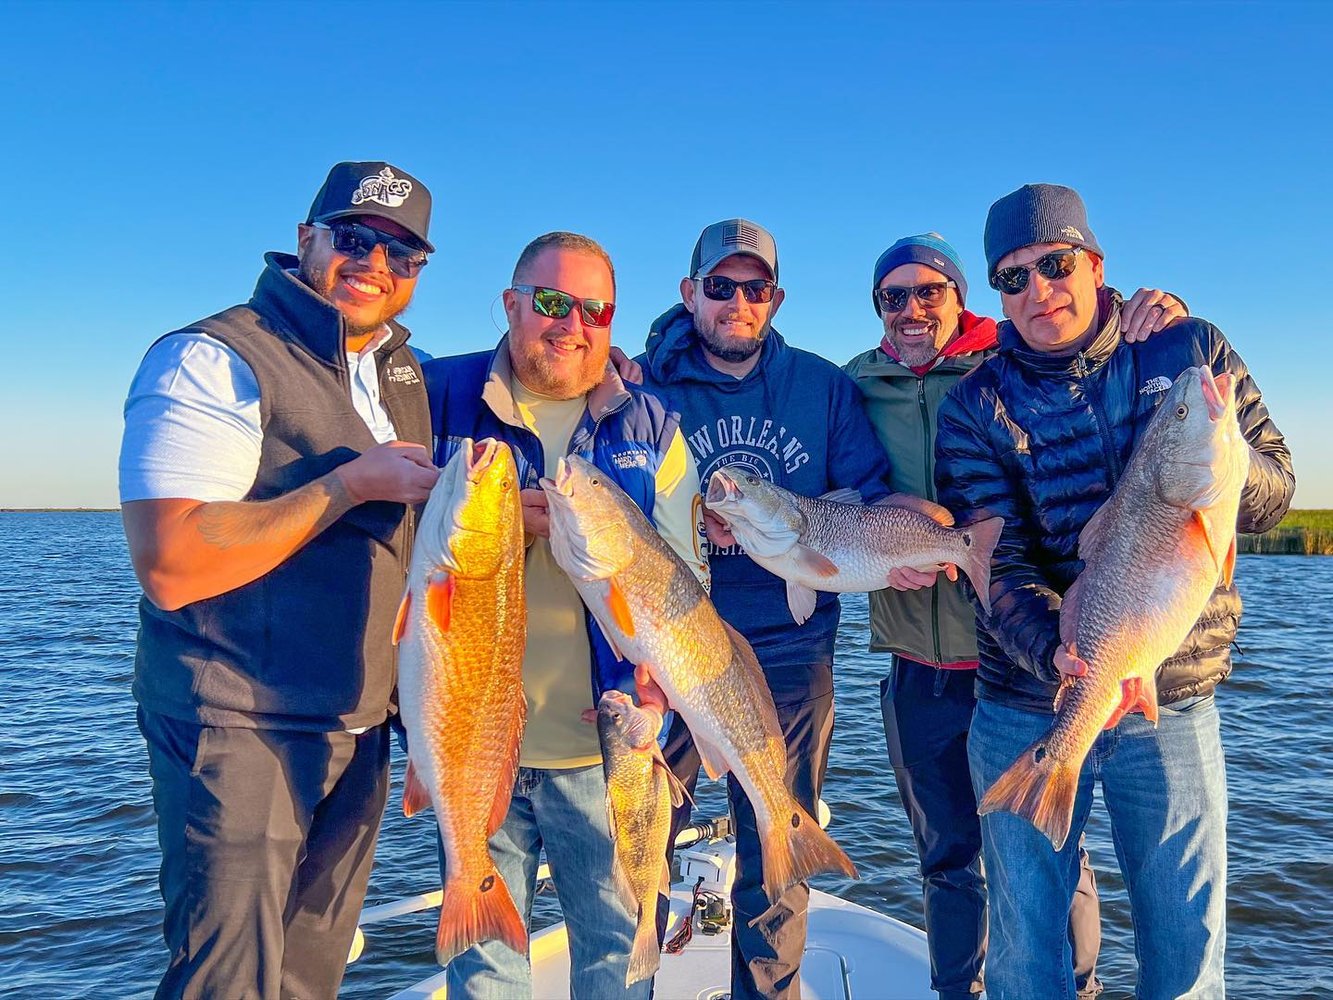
x=721, y=488
x=479, y=457
x=563, y=483
x=1217, y=391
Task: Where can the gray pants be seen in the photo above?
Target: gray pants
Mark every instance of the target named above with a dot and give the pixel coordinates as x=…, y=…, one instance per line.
x=267, y=839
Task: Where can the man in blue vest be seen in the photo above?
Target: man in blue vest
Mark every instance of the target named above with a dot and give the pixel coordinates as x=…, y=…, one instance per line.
x=270, y=456
x=748, y=398
x=548, y=391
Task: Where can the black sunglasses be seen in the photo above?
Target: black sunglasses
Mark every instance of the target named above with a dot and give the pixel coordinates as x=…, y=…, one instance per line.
x=356, y=240
x=1052, y=266
x=893, y=298
x=557, y=305
x=720, y=288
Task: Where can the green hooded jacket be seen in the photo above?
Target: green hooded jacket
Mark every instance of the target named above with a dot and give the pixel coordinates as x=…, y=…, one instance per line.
x=937, y=625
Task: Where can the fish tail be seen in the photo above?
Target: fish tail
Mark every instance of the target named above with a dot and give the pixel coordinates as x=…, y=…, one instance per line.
x=794, y=848
x=1039, y=787
x=646, y=954
x=982, y=538
x=483, y=911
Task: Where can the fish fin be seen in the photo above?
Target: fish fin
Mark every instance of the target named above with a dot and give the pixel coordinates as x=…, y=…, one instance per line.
x=1135, y=695
x=646, y=954
x=440, y=599
x=610, y=639
x=1229, y=564
x=675, y=787
x=1069, y=610
x=842, y=496
x=474, y=913
x=814, y=562
x=504, y=788
x=400, y=622
x=1039, y=787
x=1201, y=523
x=981, y=539
x=1062, y=692
x=940, y=515
x=800, y=601
x=715, y=764
x=415, y=796
x=618, y=606
x=795, y=848
x=1090, y=537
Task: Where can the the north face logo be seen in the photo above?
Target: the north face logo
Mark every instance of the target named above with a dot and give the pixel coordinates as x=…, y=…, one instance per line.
x=383, y=189
x=1158, y=384
x=1071, y=232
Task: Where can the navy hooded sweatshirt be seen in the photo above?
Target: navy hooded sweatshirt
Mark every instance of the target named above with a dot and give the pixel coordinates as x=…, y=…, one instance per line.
x=797, y=421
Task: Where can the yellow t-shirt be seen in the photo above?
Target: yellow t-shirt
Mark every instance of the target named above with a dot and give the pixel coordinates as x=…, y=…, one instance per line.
x=557, y=676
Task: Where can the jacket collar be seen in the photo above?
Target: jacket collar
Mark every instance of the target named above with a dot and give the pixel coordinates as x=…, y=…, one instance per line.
x=1095, y=353
x=975, y=333
x=306, y=317
x=606, y=397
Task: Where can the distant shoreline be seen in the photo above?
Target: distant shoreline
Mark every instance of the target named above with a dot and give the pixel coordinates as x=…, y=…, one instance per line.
x=59, y=510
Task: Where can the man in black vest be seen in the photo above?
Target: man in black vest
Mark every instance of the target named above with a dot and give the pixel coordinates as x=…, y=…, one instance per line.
x=270, y=455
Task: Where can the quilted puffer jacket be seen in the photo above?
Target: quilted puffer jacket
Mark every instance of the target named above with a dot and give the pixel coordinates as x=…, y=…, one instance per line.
x=1041, y=440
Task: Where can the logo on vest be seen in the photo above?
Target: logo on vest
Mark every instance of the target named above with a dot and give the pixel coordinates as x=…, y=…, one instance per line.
x=1158, y=384
x=383, y=188
x=630, y=459
x=405, y=374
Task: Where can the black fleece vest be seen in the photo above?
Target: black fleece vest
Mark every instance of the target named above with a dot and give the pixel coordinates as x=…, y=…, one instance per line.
x=307, y=645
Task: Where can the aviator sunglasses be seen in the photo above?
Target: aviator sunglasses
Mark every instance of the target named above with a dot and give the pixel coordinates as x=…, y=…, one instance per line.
x=1052, y=266
x=893, y=298
x=557, y=305
x=721, y=289
x=355, y=240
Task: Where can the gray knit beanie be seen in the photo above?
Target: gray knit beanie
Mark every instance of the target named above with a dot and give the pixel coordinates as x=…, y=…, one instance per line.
x=1036, y=213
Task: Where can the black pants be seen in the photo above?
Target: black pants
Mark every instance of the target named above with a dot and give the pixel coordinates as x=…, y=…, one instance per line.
x=267, y=840
x=927, y=713
x=766, y=958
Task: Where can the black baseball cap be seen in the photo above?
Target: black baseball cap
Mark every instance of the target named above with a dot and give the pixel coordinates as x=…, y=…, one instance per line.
x=373, y=187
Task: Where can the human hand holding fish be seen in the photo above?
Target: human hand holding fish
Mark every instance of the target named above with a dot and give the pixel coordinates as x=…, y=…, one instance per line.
x=399, y=471
x=536, y=518
x=718, y=530
x=906, y=578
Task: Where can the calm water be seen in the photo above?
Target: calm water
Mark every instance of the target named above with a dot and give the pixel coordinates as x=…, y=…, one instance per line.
x=79, y=911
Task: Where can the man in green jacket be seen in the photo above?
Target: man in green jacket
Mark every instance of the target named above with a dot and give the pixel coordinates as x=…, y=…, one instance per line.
x=930, y=342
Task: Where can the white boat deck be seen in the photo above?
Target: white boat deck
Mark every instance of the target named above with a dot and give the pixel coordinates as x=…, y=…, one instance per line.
x=852, y=952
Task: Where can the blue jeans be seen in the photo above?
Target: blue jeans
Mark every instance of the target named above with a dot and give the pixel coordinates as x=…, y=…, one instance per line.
x=1166, y=792
x=565, y=811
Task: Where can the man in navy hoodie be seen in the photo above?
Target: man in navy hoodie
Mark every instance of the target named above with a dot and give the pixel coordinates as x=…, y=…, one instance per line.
x=747, y=398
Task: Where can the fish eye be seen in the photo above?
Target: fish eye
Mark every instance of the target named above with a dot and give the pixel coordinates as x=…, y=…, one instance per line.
x=752, y=479
x=595, y=481
x=505, y=483
x=1182, y=411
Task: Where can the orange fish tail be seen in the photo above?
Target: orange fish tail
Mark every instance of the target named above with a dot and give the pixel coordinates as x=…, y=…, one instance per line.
x=1040, y=788
x=474, y=913
x=985, y=536
x=645, y=956
x=794, y=848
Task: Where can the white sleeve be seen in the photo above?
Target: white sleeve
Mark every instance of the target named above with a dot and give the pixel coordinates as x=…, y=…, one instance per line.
x=192, y=427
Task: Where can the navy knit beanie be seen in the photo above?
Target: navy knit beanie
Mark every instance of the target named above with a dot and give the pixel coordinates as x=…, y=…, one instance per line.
x=1036, y=213
x=929, y=249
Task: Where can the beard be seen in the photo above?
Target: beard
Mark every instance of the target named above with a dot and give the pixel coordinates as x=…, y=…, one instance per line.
x=730, y=349
x=322, y=281
x=535, y=370
x=920, y=352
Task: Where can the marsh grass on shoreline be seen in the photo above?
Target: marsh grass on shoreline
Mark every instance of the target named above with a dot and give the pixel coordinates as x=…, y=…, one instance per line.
x=1300, y=533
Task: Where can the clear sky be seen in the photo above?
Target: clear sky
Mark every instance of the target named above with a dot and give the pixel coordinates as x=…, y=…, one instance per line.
x=153, y=152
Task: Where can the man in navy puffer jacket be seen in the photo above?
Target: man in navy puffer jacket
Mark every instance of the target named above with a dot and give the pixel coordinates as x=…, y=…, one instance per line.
x=1039, y=434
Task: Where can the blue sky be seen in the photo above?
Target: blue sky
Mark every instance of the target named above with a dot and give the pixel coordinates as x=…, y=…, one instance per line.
x=155, y=151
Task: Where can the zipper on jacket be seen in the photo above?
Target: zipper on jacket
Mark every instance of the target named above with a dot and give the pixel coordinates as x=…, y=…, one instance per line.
x=1081, y=370
x=930, y=495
